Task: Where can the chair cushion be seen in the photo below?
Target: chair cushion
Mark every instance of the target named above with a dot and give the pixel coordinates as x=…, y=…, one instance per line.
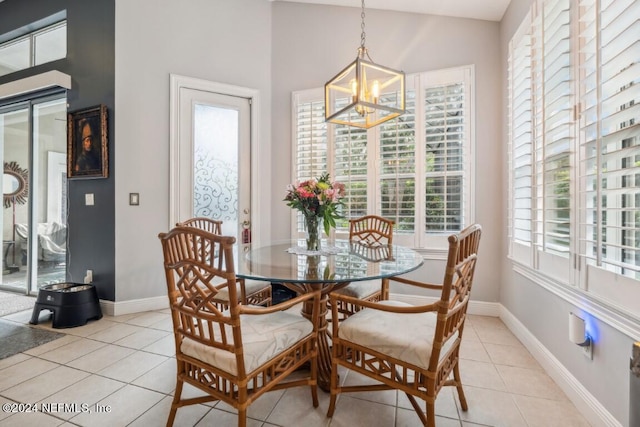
x=407, y=337
x=250, y=286
x=361, y=289
x=263, y=336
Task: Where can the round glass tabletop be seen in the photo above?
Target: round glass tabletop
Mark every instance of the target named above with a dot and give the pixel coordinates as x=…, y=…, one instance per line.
x=339, y=261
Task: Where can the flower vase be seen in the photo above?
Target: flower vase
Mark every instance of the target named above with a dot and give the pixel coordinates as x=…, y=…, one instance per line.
x=313, y=232
x=313, y=263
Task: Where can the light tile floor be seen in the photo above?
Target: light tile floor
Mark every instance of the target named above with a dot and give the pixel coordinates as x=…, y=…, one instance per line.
x=125, y=366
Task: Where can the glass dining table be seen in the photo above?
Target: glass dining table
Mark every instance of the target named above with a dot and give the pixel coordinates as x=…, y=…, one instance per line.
x=339, y=263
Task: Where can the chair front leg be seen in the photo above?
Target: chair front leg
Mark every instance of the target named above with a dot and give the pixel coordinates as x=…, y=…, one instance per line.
x=175, y=402
x=334, y=384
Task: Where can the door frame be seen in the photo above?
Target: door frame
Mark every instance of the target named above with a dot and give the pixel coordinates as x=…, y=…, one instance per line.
x=178, y=82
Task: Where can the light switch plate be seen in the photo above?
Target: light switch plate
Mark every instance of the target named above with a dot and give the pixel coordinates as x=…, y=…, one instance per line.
x=88, y=199
x=134, y=199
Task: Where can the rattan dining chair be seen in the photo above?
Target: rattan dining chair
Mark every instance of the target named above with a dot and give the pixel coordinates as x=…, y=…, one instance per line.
x=371, y=236
x=254, y=292
x=235, y=355
x=414, y=349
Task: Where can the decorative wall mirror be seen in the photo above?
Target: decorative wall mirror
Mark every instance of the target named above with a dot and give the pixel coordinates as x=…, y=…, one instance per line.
x=15, y=184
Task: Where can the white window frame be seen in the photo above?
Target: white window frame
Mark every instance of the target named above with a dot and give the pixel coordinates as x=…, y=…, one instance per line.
x=433, y=243
x=32, y=39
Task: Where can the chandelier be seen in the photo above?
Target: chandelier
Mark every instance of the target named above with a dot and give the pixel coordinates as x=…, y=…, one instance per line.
x=364, y=94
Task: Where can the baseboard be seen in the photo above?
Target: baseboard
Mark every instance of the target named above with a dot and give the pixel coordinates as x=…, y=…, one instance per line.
x=479, y=308
x=584, y=401
x=111, y=308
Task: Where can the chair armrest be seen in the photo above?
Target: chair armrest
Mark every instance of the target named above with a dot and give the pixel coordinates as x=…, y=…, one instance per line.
x=416, y=283
x=221, y=285
x=315, y=314
x=246, y=309
x=382, y=307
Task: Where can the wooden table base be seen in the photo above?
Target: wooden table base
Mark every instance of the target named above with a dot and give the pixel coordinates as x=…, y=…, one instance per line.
x=324, y=347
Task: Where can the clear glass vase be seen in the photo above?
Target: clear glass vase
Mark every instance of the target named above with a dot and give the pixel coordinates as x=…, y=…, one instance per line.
x=312, y=224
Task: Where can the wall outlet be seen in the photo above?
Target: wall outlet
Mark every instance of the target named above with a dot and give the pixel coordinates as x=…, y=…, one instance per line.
x=587, y=350
x=88, y=278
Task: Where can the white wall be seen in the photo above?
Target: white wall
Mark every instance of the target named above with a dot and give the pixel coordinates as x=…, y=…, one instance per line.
x=545, y=314
x=226, y=41
x=311, y=43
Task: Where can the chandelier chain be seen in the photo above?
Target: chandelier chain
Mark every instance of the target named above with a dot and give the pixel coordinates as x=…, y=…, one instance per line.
x=363, y=36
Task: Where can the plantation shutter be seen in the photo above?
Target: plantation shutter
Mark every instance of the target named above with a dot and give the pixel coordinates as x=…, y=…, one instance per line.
x=585, y=80
x=610, y=136
x=351, y=169
x=310, y=142
x=520, y=139
x=398, y=169
x=444, y=144
x=553, y=121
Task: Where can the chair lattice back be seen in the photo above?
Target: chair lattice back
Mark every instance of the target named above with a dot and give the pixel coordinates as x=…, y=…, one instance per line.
x=256, y=294
x=373, y=253
x=371, y=230
x=456, y=288
x=197, y=265
x=203, y=223
x=371, y=238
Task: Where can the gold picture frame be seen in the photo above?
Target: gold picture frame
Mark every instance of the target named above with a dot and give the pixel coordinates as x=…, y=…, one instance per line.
x=16, y=184
x=87, y=153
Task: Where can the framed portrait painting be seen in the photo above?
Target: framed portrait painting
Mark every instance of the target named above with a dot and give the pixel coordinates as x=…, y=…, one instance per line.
x=87, y=154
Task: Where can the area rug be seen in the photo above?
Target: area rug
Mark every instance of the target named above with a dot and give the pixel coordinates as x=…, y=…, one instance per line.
x=17, y=338
x=12, y=303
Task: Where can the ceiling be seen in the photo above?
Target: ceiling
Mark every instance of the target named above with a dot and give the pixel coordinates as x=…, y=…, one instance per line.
x=490, y=10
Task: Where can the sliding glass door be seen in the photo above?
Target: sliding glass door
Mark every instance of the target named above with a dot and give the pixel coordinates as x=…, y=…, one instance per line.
x=33, y=141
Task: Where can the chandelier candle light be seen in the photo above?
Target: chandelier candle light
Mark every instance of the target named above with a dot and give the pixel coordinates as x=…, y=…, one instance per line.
x=318, y=201
x=364, y=94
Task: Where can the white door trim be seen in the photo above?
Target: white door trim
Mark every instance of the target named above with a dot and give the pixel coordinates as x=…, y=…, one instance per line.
x=178, y=82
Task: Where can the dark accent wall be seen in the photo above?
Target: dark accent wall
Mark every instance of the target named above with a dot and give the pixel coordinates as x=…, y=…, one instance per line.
x=90, y=62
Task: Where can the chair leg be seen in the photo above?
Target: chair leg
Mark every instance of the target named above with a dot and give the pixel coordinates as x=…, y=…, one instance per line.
x=332, y=405
x=334, y=391
x=175, y=402
x=461, y=396
x=241, y=400
x=242, y=417
x=431, y=415
x=314, y=382
x=418, y=410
